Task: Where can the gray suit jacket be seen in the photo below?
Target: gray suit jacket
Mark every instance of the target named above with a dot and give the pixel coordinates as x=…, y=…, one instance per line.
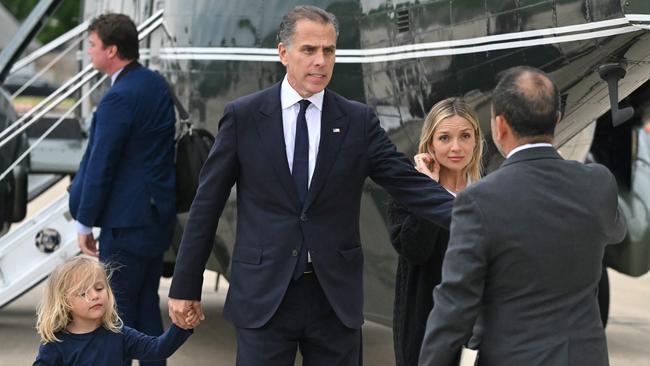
x=525, y=255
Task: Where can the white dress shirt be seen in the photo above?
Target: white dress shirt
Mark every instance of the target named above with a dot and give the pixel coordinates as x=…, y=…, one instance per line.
x=115, y=75
x=528, y=146
x=81, y=228
x=289, y=98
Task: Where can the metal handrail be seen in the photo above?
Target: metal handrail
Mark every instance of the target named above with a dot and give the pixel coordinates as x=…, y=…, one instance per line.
x=47, y=68
x=51, y=106
x=65, y=37
x=149, y=26
x=72, y=33
x=152, y=27
x=144, y=29
x=51, y=128
x=42, y=103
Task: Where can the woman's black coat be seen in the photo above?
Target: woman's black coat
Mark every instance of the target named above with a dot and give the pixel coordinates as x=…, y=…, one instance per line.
x=421, y=246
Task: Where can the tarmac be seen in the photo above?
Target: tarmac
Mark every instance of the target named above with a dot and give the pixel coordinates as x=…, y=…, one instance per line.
x=213, y=342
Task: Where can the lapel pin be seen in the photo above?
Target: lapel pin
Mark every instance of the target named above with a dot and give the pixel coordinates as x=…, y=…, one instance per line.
x=336, y=130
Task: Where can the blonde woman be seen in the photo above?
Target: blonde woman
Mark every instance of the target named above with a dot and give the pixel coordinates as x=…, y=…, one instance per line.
x=450, y=152
x=79, y=325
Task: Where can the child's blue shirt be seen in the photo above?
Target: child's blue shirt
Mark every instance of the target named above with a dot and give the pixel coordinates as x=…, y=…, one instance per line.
x=102, y=347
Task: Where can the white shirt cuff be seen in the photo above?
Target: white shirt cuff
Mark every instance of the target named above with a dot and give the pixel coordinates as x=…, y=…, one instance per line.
x=82, y=229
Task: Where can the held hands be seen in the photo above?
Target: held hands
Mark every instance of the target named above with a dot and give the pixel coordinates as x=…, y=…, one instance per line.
x=426, y=164
x=88, y=244
x=185, y=314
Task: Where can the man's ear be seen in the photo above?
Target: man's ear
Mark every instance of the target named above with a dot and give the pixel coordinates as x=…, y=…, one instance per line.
x=501, y=127
x=112, y=51
x=559, y=117
x=282, y=52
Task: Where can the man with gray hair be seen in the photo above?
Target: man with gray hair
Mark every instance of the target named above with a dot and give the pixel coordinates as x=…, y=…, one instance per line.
x=299, y=154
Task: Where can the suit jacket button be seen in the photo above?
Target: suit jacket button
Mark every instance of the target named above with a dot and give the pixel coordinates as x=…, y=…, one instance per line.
x=294, y=253
x=303, y=217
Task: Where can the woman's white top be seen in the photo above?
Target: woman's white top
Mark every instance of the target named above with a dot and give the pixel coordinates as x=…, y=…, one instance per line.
x=469, y=181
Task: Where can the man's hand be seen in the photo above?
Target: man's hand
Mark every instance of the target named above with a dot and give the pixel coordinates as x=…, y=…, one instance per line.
x=88, y=244
x=185, y=314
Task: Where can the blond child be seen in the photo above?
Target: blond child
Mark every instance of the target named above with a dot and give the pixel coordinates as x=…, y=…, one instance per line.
x=79, y=325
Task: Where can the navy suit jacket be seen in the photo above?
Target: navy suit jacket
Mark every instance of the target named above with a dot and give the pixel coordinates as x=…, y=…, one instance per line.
x=271, y=222
x=126, y=177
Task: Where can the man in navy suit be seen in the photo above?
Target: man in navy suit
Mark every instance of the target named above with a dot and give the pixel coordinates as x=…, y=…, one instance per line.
x=126, y=180
x=299, y=154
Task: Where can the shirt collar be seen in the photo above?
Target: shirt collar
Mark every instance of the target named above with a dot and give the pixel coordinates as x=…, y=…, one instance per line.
x=528, y=146
x=115, y=75
x=289, y=96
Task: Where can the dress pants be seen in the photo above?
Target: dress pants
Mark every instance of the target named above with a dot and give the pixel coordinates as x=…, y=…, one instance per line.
x=135, y=279
x=304, y=321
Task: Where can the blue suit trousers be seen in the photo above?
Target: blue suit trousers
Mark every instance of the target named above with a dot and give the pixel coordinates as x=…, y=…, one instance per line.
x=135, y=279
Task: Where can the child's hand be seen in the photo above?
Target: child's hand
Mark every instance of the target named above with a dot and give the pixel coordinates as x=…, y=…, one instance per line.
x=179, y=310
x=192, y=318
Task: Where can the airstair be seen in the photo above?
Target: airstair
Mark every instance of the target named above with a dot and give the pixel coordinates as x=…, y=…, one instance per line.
x=30, y=252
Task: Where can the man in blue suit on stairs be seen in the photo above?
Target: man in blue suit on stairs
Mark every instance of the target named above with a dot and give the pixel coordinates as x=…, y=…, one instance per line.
x=126, y=180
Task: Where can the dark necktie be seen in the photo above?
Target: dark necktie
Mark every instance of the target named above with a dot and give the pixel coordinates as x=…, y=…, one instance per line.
x=300, y=169
x=300, y=173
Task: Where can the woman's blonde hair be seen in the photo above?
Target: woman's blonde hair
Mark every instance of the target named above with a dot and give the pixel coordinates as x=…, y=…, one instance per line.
x=448, y=108
x=74, y=276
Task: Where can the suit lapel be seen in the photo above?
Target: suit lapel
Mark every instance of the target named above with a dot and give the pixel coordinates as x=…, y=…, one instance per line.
x=334, y=127
x=269, y=126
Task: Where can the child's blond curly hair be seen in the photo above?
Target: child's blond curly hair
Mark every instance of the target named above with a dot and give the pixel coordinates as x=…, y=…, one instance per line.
x=74, y=276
